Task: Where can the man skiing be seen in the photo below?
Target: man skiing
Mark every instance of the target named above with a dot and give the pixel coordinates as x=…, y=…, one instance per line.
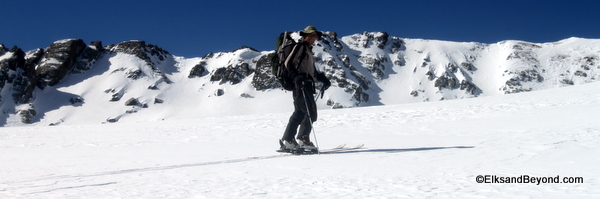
x=301, y=68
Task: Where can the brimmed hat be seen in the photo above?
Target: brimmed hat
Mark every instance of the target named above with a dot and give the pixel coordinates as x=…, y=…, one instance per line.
x=310, y=30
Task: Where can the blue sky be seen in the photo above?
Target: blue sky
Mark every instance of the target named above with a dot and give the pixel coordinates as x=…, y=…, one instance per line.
x=195, y=28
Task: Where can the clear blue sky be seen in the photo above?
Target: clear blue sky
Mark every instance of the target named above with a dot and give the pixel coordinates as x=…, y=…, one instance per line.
x=194, y=28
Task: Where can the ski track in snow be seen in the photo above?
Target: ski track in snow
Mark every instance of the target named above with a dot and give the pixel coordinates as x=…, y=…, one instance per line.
x=423, y=150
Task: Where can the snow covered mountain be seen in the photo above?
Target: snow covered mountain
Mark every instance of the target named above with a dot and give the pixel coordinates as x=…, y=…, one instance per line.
x=71, y=82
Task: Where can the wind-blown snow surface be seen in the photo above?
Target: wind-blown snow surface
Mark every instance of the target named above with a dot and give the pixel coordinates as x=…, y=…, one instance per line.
x=434, y=149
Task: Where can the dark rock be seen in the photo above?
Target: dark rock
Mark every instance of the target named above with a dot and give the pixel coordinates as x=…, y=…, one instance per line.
x=209, y=55
x=232, y=74
x=397, y=45
x=467, y=65
x=135, y=74
x=452, y=68
x=441, y=82
x=374, y=65
x=17, y=60
x=142, y=50
x=219, y=92
x=246, y=95
x=27, y=115
x=89, y=55
x=198, y=70
x=58, y=60
x=382, y=40
x=76, y=100
x=151, y=54
x=567, y=81
x=335, y=105
x=15, y=70
x=364, y=83
x=112, y=120
x=116, y=97
x=132, y=102
x=580, y=73
x=469, y=87
x=430, y=75
x=3, y=49
x=246, y=47
x=32, y=59
x=513, y=85
x=414, y=93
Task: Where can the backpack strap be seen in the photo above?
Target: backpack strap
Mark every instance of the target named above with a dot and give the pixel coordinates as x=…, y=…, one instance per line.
x=295, y=55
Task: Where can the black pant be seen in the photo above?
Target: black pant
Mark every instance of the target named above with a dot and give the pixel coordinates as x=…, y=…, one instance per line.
x=300, y=117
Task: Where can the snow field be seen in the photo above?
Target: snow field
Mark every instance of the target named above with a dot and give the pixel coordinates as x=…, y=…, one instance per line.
x=423, y=150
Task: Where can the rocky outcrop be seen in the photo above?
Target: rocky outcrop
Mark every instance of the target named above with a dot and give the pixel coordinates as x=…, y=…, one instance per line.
x=232, y=74
x=132, y=102
x=146, y=52
x=151, y=54
x=198, y=70
x=87, y=58
x=58, y=60
x=27, y=114
x=524, y=54
x=17, y=71
x=263, y=77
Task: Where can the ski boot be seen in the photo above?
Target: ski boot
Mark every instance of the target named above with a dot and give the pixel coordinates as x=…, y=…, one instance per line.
x=307, y=146
x=288, y=146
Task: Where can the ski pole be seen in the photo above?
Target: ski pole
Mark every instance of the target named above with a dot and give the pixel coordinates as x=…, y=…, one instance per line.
x=317, y=97
x=310, y=119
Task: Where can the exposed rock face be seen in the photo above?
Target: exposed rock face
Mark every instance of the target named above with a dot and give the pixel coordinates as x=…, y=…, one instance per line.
x=132, y=102
x=58, y=60
x=525, y=54
x=198, y=70
x=235, y=70
x=27, y=115
x=263, y=77
x=151, y=54
x=232, y=74
x=90, y=54
x=147, y=52
x=19, y=73
x=3, y=49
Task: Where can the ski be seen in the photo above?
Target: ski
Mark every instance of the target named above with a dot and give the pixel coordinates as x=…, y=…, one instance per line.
x=302, y=152
x=338, y=149
x=335, y=150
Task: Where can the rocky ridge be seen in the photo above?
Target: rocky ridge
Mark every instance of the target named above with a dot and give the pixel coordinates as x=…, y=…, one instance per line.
x=365, y=69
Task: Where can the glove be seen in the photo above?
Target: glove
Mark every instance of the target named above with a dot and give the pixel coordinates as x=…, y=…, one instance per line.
x=322, y=78
x=299, y=80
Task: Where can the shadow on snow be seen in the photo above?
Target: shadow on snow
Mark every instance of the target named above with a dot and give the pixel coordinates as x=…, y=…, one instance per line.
x=238, y=160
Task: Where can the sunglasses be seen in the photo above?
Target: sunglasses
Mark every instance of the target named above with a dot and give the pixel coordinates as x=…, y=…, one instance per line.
x=312, y=35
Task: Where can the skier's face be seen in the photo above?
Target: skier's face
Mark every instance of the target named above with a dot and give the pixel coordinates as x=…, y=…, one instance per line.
x=311, y=38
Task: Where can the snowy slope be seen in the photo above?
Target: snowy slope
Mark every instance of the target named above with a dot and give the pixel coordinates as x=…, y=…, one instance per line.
x=417, y=150
x=366, y=69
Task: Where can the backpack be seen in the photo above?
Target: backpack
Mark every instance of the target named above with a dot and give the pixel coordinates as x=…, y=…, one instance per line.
x=284, y=46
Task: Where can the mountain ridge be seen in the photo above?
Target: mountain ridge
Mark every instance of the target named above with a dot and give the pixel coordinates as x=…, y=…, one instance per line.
x=70, y=82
